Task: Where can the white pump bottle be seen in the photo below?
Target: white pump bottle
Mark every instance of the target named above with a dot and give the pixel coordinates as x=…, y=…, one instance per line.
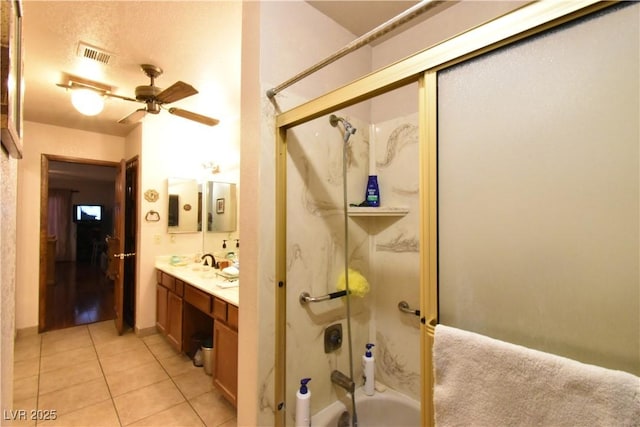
x=303, y=404
x=368, y=368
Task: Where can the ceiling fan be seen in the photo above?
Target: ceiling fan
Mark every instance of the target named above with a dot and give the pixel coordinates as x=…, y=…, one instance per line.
x=153, y=97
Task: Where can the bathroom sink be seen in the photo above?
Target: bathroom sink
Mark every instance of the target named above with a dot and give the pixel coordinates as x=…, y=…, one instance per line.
x=207, y=272
x=228, y=284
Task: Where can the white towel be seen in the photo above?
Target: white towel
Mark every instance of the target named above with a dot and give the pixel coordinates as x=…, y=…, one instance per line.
x=480, y=381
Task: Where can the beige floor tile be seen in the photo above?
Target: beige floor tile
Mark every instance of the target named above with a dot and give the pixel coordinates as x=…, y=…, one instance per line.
x=65, y=334
x=131, y=379
x=101, y=414
x=59, y=341
x=123, y=344
x=25, y=388
x=159, y=346
x=26, y=368
x=194, y=383
x=178, y=364
x=21, y=415
x=76, y=397
x=27, y=347
x=213, y=408
x=69, y=358
x=231, y=423
x=146, y=401
x=127, y=360
x=105, y=332
x=66, y=377
x=181, y=415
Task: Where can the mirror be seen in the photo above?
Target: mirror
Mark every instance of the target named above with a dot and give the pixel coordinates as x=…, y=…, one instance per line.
x=185, y=205
x=221, y=210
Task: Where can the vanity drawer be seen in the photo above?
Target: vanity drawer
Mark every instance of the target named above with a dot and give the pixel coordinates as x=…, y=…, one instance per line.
x=232, y=316
x=197, y=298
x=220, y=309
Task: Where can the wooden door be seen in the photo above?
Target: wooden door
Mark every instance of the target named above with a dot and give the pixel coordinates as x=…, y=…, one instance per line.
x=116, y=247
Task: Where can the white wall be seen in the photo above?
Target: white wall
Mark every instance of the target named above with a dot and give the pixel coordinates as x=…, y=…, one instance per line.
x=170, y=149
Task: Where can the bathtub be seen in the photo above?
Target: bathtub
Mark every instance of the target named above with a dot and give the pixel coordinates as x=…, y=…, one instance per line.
x=389, y=408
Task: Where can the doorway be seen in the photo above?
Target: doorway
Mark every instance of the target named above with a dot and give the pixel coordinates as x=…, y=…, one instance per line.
x=77, y=199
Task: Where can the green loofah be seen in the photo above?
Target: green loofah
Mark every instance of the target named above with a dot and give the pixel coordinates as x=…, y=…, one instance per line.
x=358, y=285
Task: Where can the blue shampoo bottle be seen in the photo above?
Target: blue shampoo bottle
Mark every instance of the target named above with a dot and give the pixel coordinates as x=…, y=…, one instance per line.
x=373, y=192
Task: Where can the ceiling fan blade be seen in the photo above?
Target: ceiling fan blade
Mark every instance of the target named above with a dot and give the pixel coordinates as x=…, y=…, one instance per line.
x=177, y=91
x=134, y=117
x=194, y=116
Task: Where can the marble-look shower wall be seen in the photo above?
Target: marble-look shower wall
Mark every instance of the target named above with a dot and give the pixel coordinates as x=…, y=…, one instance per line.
x=315, y=254
x=396, y=256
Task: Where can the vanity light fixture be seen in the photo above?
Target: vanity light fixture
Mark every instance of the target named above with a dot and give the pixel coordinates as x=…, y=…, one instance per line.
x=211, y=167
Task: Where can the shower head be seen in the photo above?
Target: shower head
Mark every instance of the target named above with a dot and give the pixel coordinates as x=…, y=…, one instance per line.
x=348, y=128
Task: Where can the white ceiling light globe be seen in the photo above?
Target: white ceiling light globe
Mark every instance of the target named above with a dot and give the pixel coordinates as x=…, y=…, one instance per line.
x=87, y=101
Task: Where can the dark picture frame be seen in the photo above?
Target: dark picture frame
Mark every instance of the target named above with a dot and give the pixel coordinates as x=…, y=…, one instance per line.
x=12, y=79
x=220, y=206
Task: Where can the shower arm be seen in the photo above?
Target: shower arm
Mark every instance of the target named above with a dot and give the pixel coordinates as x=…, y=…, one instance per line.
x=305, y=297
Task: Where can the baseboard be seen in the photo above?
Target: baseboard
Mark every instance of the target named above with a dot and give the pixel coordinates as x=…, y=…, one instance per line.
x=145, y=332
x=26, y=332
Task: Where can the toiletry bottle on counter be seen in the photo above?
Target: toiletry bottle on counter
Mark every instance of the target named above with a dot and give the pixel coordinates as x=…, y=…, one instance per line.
x=303, y=404
x=368, y=369
x=373, y=192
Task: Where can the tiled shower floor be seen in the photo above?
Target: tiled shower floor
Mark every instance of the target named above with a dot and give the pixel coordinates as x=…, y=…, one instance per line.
x=90, y=376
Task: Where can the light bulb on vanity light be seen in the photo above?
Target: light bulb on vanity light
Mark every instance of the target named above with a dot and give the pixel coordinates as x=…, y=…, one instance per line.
x=87, y=101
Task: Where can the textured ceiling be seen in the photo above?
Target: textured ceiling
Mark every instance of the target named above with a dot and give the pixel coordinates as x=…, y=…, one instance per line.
x=135, y=33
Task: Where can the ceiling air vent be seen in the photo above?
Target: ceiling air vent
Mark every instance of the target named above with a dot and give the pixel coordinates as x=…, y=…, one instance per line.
x=93, y=53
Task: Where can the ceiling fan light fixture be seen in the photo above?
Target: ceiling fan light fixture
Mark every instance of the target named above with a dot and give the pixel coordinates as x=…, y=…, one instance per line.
x=87, y=101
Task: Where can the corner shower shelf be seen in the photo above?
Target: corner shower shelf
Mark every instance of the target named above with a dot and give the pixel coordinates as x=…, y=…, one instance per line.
x=381, y=211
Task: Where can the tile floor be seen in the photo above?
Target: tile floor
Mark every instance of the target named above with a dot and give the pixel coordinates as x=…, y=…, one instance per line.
x=90, y=376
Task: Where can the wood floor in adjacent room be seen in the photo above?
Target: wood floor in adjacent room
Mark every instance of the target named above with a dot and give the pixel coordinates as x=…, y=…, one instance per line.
x=81, y=294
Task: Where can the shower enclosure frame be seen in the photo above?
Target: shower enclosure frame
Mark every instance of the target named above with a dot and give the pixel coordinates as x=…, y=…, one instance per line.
x=422, y=68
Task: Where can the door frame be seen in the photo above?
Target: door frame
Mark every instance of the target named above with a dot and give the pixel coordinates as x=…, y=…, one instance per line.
x=44, y=223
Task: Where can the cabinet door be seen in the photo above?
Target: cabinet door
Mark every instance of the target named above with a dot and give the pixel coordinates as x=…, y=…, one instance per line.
x=161, y=308
x=225, y=363
x=174, y=322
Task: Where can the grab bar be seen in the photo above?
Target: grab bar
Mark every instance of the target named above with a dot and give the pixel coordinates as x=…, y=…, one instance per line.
x=305, y=297
x=403, y=306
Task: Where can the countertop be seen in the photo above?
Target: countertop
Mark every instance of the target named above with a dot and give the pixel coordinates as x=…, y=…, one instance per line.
x=207, y=281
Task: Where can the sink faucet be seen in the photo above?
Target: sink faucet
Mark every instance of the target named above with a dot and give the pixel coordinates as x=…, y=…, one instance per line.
x=343, y=381
x=213, y=260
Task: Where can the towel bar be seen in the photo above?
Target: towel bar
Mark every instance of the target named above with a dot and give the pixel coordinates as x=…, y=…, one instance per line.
x=403, y=306
x=305, y=297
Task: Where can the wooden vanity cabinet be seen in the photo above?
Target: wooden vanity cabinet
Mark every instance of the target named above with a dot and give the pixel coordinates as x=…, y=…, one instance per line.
x=169, y=291
x=225, y=349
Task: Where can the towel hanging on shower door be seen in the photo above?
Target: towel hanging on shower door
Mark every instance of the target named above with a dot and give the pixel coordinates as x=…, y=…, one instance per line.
x=481, y=381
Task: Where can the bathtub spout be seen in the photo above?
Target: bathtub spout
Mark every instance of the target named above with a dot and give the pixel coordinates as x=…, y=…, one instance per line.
x=343, y=381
